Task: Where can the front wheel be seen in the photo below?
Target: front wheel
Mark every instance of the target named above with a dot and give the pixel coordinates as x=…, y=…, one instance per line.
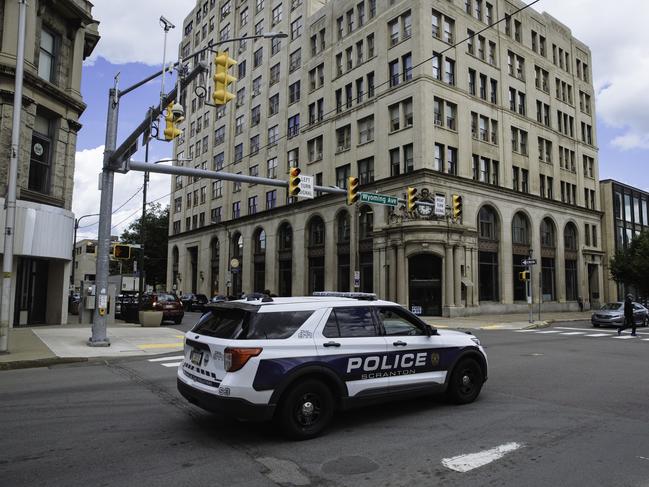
x=305, y=410
x=466, y=381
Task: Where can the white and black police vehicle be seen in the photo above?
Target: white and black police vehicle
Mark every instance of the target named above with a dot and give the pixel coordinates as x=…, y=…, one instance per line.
x=298, y=359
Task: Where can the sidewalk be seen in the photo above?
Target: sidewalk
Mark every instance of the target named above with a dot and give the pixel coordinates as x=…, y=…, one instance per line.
x=43, y=346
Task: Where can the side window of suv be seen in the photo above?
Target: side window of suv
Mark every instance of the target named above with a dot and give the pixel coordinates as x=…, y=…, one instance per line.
x=350, y=323
x=398, y=323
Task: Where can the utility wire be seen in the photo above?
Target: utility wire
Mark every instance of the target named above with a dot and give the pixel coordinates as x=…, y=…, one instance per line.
x=118, y=208
x=336, y=110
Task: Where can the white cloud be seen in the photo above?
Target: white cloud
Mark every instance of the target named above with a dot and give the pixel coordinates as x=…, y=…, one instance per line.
x=616, y=35
x=87, y=198
x=131, y=32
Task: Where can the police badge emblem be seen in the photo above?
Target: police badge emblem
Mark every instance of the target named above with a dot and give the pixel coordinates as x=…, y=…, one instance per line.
x=434, y=358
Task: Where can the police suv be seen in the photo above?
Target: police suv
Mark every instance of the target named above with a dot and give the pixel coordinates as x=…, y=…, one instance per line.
x=299, y=359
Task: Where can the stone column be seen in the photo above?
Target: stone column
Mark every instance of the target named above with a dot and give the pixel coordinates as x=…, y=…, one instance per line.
x=457, y=274
x=475, y=278
x=300, y=265
x=330, y=260
x=74, y=86
x=248, y=266
x=560, y=273
x=271, y=281
x=449, y=288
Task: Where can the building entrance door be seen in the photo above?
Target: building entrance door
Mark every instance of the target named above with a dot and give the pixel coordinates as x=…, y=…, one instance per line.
x=593, y=286
x=31, y=292
x=425, y=284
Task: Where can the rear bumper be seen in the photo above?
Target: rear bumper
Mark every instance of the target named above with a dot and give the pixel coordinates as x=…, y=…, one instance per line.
x=231, y=406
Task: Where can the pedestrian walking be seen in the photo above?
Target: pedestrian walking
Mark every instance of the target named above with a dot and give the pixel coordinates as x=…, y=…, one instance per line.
x=629, y=320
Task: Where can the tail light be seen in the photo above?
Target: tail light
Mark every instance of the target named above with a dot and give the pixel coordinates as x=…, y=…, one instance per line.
x=156, y=305
x=236, y=358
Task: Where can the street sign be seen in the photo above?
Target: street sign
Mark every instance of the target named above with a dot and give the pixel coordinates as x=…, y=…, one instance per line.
x=378, y=199
x=306, y=187
x=440, y=205
x=529, y=262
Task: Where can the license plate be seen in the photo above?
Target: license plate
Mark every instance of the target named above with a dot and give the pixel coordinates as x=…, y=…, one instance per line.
x=196, y=357
x=168, y=306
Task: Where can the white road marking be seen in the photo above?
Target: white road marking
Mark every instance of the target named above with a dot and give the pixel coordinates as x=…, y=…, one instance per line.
x=173, y=364
x=623, y=337
x=464, y=463
x=599, y=335
x=548, y=331
x=163, y=359
x=574, y=333
x=525, y=331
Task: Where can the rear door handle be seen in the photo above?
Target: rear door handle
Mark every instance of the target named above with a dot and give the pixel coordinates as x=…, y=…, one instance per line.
x=331, y=344
x=399, y=344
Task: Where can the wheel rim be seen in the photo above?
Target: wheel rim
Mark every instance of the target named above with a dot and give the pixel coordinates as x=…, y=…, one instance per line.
x=467, y=382
x=308, y=410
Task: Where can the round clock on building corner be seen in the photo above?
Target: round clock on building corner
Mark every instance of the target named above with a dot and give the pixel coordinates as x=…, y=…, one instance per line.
x=424, y=210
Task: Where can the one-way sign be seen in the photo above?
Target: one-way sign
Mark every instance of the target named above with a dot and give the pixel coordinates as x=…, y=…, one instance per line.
x=529, y=262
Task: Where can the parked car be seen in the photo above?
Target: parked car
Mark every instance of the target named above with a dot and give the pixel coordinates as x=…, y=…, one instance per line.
x=194, y=302
x=612, y=314
x=218, y=298
x=171, y=307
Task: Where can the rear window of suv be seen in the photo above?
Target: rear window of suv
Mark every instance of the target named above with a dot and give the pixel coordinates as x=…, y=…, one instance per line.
x=241, y=324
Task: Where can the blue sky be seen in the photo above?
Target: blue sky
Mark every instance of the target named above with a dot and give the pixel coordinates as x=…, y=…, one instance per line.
x=620, y=75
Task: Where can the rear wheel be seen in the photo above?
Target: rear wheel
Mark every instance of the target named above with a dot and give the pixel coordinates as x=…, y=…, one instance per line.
x=466, y=381
x=596, y=325
x=305, y=410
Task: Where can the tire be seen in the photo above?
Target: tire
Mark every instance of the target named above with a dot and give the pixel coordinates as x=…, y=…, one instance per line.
x=595, y=325
x=305, y=410
x=466, y=382
x=178, y=321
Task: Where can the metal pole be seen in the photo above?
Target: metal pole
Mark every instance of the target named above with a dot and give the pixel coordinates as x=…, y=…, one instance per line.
x=530, y=288
x=74, y=251
x=142, y=231
x=6, y=321
x=99, y=338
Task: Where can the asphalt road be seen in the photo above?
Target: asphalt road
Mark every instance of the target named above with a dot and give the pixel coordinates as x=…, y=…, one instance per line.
x=558, y=409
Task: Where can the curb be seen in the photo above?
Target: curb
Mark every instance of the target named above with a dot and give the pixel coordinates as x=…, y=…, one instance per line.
x=537, y=324
x=40, y=362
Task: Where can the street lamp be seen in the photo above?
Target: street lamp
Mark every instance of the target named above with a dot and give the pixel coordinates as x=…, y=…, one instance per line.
x=74, y=245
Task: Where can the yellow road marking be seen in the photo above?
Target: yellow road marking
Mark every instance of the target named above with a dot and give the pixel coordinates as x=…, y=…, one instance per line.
x=147, y=346
x=179, y=336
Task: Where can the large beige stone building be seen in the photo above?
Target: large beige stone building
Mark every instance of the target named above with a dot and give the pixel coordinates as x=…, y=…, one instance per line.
x=59, y=36
x=382, y=90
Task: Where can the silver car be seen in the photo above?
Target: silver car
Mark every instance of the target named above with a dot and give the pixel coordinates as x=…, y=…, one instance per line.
x=612, y=314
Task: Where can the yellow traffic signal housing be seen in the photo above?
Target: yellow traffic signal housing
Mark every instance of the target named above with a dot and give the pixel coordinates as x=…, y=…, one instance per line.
x=222, y=64
x=524, y=276
x=121, y=252
x=456, y=206
x=294, y=181
x=352, y=190
x=171, y=130
x=411, y=197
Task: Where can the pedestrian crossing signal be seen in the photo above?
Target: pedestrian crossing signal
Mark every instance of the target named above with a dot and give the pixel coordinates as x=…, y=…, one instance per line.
x=121, y=252
x=294, y=181
x=524, y=276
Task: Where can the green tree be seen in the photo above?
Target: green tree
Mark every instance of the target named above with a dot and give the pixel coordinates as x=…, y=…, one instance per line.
x=156, y=231
x=630, y=265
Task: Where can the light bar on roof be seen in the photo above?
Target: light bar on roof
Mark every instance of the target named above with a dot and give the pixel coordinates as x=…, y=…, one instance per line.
x=340, y=294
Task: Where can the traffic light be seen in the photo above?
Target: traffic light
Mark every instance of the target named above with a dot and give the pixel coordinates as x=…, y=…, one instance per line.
x=294, y=181
x=121, y=252
x=352, y=190
x=524, y=276
x=411, y=196
x=222, y=64
x=171, y=130
x=456, y=207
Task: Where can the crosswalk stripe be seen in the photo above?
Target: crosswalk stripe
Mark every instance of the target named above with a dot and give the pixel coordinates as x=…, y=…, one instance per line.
x=599, y=335
x=623, y=337
x=163, y=359
x=525, y=331
x=574, y=333
x=173, y=364
x=548, y=331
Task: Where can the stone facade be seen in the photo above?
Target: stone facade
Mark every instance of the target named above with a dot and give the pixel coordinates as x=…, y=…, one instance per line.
x=59, y=36
x=505, y=121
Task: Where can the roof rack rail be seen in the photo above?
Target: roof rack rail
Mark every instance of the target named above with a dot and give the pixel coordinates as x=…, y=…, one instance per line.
x=351, y=295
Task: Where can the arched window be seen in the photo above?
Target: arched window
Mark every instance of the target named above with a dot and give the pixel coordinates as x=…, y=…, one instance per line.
x=285, y=259
x=316, y=254
x=215, y=249
x=259, y=260
x=365, y=248
x=521, y=237
x=343, y=251
x=488, y=246
x=548, y=264
x=570, y=261
x=342, y=224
